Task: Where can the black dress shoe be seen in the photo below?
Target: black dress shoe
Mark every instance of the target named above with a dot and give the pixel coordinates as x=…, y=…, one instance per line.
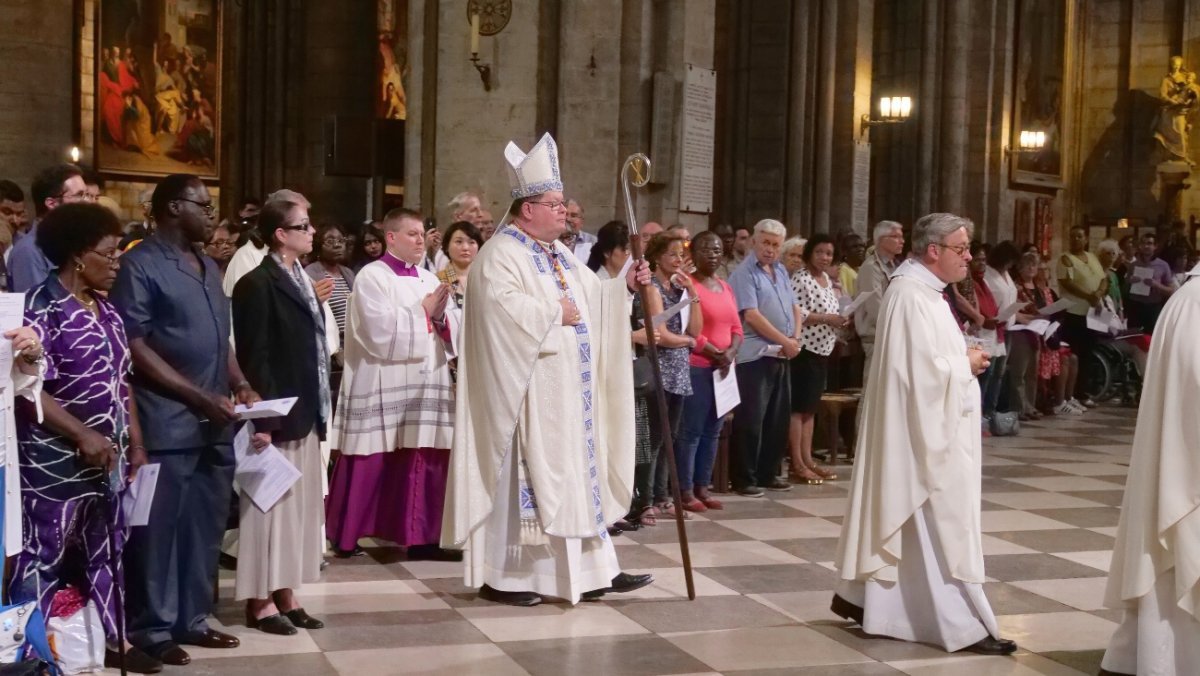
x=212, y=639
x=169, y=652
x=227, y=562
x=349, y=553
x=1106, y=672
x=272, y=624
x=992, y=646
x=843, y=608
x=522, y=599
x=778, y=485
x=432, y=553
x=136, y=661
x=624, y=582
x=303, y=620
x=750, y=491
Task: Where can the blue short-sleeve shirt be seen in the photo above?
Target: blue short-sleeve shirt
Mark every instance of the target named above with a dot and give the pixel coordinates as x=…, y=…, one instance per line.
x=773, y=298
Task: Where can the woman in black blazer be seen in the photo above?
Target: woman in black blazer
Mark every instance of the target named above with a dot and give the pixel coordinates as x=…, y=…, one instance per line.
x=279, y=332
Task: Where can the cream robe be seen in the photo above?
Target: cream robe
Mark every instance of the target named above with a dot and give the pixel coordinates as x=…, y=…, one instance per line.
x=396, y=386
x=919, y=459
x=521, y=378
x=29, y=387
x=1155, y=571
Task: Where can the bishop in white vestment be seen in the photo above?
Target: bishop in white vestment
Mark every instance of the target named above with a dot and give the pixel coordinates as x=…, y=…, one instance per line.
x=542, y=460
x=395, y=416
x=910, y=556
x=1155, y=571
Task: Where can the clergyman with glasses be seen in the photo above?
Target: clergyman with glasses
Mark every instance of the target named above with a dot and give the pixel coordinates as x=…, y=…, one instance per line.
x=910, y=557
x=52, y=187
x=177, y=320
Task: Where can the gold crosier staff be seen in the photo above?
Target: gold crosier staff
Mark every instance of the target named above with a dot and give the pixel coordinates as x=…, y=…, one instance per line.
x=638, y=165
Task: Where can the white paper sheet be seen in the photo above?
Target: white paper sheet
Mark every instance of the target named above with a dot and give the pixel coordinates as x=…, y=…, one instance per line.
x=770, y=351
x=861, y=298
x=12, y=316
x=139, y=497
x=272, y=408
x=1037, y=326
x=264, y=475
x=1055, y=307
x=1010, y=311
x=1100, y=320
x=674, y=310
x=725, y=390
x=1142, y=286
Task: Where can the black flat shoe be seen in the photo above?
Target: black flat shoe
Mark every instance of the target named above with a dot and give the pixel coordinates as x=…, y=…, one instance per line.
x=521, y=599
x=626, y=526
x=272, y=624
x=169, y=652
x=1106, y=672
x=623, y=582
x=844, y=609
x=349, y=553
x=992, y=646
x=432, y=553
x=303, y=620
x=136, y=661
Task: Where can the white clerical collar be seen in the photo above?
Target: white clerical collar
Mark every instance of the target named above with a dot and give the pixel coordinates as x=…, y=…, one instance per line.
x=1194, y=271
x=917, y=270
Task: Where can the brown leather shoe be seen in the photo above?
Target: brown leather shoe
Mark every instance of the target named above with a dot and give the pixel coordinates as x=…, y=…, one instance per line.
x=212, y=639
x=169, y=652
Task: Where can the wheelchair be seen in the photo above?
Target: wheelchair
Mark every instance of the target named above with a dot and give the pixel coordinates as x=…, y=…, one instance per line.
x=1111, y=373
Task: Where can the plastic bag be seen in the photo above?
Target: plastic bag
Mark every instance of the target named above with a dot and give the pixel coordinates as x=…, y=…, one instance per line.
x=76, y=633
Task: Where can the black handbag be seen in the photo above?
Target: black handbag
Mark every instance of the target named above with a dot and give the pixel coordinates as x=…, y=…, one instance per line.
x=643, y=375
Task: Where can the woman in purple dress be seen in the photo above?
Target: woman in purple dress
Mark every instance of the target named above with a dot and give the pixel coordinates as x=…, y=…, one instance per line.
x=78, y=458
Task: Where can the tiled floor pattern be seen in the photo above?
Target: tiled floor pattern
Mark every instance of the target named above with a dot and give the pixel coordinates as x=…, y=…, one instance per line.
x=763, y=578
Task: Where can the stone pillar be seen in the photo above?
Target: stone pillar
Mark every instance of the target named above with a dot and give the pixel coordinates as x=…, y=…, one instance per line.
x=954, y=101
x=855, y=39
x=37, y=122
x=823, y=164
x=926, y=107
x=798, y=198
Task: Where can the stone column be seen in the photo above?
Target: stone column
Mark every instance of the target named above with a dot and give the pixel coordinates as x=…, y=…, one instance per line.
x=823, y=164
x=954, y=106
x=926, y=108
x=37, y=122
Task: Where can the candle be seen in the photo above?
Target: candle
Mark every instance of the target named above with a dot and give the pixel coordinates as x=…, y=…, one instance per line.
x=474, y=34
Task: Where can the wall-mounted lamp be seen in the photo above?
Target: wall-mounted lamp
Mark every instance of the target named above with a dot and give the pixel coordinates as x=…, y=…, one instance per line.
x=74, y=154
x=1122, y=223
x=486, y=18
x=892, y=110
x=1028, y=141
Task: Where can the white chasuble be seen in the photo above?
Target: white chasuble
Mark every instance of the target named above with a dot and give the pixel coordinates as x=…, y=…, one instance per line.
x=1155, y=571
x=396, y=386
x=545, y=421
x=913, y=516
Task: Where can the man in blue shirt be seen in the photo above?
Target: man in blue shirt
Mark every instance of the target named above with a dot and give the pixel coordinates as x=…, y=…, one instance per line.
x=771, y=319
x=60, y=184
x=177, y=320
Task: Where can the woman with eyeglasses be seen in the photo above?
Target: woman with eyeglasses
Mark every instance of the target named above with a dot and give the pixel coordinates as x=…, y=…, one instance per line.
x=279, y=331
x=330, y=244
x=84, y=445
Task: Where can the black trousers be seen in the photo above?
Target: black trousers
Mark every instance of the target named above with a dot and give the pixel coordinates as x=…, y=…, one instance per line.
x=760, y=423
x=1082, y=341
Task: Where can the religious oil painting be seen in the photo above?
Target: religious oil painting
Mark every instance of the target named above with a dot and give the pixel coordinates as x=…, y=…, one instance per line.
x=1039, y=81
x=392, y=61
x=158, y=84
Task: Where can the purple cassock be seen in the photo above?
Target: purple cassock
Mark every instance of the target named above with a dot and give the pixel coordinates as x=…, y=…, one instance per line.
x=394, y=494
x=69, y=507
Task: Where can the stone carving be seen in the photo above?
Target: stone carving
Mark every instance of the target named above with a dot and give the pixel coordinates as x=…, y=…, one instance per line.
x=1180, y=95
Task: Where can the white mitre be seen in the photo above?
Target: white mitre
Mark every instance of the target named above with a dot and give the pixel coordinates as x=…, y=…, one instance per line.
x=535, y=172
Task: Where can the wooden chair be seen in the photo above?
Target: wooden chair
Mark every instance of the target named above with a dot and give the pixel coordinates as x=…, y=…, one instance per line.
x=829, y=416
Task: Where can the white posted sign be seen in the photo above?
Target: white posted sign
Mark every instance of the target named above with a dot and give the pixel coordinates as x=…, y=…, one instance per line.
x=699, y=131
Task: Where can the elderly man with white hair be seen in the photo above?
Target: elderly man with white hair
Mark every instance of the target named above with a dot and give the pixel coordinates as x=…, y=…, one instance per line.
x=771, y=319
x=873, y=278
x=465, y=206
x=910, y=557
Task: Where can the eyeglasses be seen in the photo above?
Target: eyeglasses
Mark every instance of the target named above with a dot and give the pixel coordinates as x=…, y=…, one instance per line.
x=112, y=258
x=334, y=240
x=558, y=204
x=207, y=207
x=80, y=196
x=303, y=227
x=961, y=249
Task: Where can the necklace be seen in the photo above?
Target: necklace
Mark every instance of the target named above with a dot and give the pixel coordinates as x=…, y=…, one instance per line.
x=89, y=304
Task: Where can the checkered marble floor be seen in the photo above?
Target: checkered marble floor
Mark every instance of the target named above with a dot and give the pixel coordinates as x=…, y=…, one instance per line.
x=763, y=577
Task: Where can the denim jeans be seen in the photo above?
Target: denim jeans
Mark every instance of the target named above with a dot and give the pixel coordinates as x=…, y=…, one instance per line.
x=696, y=447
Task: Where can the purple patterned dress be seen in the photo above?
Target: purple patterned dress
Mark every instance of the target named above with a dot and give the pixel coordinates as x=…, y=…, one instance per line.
x=69, y=507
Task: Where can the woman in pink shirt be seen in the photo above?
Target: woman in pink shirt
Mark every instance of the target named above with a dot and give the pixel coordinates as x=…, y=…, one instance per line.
x=716, y=347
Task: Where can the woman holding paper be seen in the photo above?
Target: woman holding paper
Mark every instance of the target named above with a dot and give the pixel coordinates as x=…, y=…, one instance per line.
x=79, y=440
x=1024, y=347
x=279, y=328
x=668, y=286
x=816, y=295
x=716, y=346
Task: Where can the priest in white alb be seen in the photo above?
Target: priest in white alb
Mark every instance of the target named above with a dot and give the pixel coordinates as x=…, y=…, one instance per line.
x=543, y=450
x=910, y=557
x=1155, y=571
x=395, y=416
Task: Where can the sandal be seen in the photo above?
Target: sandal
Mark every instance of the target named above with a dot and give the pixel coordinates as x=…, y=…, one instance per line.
x=648, y=517
x=668, y=509
x=828, y=475
x=805, y=476
x=695, y=505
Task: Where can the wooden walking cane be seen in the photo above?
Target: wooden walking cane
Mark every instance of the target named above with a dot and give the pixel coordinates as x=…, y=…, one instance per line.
x=639, y=165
